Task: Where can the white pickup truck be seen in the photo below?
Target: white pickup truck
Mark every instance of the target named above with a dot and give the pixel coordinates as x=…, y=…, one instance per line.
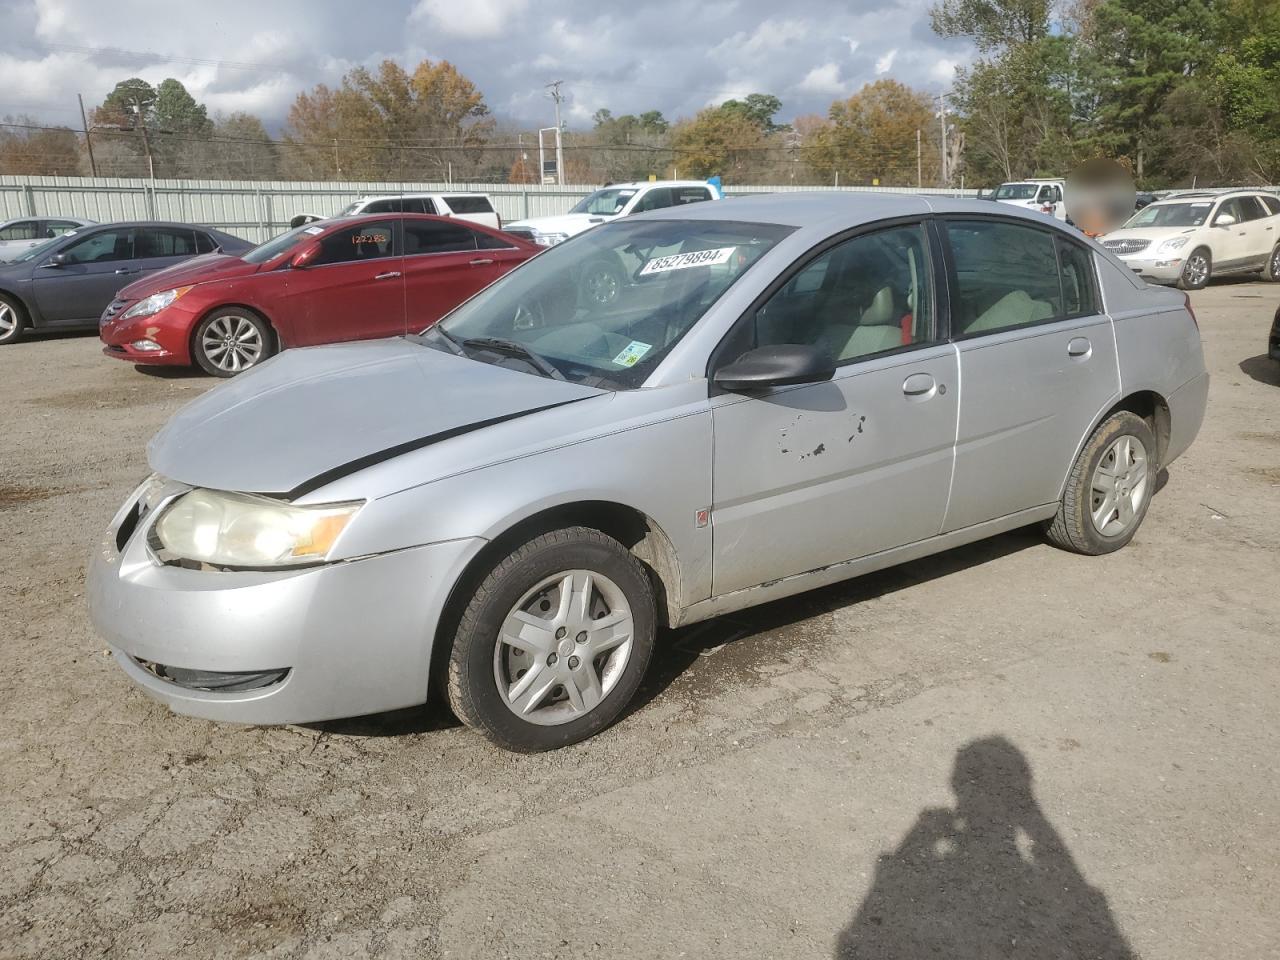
x=610, y=203
x=1045, y=196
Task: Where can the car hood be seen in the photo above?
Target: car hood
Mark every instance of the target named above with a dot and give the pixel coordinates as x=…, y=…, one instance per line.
x=568, y=224
x=311, y=415
x=201, y=269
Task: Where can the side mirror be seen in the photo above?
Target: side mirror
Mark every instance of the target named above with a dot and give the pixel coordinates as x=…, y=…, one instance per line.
x=776, y=366
x=1224, y=220
x=304, y=256
x=57, y=260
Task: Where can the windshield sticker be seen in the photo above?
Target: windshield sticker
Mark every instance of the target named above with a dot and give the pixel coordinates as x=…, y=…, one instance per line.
x=683, y=261
x=314, y=230
x=632, y=354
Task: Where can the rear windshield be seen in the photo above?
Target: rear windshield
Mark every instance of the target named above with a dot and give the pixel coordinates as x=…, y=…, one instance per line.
x=469, y=204
x=1017, y=191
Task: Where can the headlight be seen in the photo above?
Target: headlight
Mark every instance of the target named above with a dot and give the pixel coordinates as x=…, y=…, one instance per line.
x=238, y=530
x=154, y=303
x=1176, y=243
x=549, y=239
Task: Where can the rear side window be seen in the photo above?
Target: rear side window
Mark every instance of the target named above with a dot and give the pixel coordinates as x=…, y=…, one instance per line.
x=204, y=242
x=165, y=242
x=1272, y=204
x=25, y=230
x=1079, y=292
x=367, y=241
x=486, y=241
x=59, y=227
x=1255, y=208
x=427, y=236
x=1006, y=276
x=681, y=195
x=469, y=204
x=655, y=199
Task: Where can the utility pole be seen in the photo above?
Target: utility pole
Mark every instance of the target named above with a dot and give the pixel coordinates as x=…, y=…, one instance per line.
x=557, y=96
x=93, y=167
x=146, y=140
x=942, y=119
x=919, y=163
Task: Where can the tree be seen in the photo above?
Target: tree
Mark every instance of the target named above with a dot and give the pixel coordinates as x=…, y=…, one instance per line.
x=992, y=24
x=757, y=108
x=26, y=149
x=719, y=141
x=872, y=136
x=128, y=100
x=181, y=129
x=242, y=149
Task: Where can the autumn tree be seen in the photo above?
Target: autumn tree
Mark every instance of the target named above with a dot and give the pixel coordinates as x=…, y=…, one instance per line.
x=718, y=141
x=872, y=137
x=28, y=149
x=241, y=149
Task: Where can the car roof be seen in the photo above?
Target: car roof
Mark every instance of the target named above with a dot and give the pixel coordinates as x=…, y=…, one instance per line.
x=637, y=184
x=422, y=193
x=851, y=208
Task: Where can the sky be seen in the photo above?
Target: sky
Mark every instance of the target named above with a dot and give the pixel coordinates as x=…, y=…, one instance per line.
x=676, y=57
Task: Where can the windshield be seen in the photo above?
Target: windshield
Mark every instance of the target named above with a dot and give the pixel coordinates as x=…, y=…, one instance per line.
x=350, y=209
x=41, y=248
x=606, y=307
x=606, y=202
x=278, y=245
x=1017, y=191
x=1172, y=214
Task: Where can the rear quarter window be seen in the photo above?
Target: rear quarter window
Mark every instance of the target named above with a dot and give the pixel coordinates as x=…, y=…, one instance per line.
x=469, y=204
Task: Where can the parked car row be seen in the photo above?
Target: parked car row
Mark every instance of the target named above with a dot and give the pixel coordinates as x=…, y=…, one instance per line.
x=20, y=235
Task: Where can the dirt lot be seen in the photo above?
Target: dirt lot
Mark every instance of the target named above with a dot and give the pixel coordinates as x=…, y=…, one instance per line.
x=845, y=773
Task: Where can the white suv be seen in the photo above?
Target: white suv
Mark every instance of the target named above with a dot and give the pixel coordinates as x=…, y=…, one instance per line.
x=610, y=203
x=1189, y=237
x=476, y=207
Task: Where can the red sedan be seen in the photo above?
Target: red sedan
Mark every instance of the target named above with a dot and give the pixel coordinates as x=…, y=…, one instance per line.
x=348, y=279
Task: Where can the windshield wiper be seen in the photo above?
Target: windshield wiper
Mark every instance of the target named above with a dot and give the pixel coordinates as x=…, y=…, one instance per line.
x=513, y=348
x=437, y=330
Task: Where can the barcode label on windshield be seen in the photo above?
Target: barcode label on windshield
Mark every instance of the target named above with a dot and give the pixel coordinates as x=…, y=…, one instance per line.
x=683, y=261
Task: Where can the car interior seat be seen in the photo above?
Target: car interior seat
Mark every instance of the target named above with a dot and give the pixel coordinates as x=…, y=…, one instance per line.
x=1014, y=309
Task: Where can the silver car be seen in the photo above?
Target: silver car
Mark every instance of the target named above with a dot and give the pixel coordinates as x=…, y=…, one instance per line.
x=505, y=510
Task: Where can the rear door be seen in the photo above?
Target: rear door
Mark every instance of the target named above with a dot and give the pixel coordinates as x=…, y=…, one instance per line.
x=1260, y=229
x=96, y=265
x=160, y=247
x=1037, y=363
x=352, y=290
x=18, y=237
x=445, y=264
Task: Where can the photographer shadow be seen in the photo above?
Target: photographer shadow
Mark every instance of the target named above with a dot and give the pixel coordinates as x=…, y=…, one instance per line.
x=990, y=878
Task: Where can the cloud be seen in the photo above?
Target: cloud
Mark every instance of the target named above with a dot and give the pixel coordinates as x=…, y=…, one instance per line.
x=471, y=18
x=885, y=63
x=944, y=70
x=823, y=79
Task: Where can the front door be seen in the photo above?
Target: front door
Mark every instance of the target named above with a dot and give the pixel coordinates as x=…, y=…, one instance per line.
x=1037, y=364
x=94, y=268
x=813, y=475
x=352, y=289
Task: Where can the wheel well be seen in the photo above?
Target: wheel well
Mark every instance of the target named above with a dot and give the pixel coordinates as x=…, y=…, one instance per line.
x=635, y=531
x=1151, y=407
x=275, y=334
x=18, y=302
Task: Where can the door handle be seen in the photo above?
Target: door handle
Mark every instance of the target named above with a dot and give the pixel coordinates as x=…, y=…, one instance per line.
x=389, y=275
x=1080, y=348
x=126, y=270
x=919, y=386
x=482, y=262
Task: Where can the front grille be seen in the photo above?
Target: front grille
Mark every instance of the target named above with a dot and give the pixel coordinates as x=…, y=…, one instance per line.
x=1124, y=248
x=216, y=681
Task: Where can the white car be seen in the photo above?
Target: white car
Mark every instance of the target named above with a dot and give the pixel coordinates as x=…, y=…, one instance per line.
x=610, y=203
x=1046, y=196
x=476, y=207
x=20, y=235
x=1190, y=237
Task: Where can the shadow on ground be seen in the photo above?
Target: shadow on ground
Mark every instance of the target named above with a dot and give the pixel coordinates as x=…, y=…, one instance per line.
x=990, y=878
x=1263, y=369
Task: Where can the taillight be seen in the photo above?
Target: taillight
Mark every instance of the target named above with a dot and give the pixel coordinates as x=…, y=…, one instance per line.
x=1187, y=298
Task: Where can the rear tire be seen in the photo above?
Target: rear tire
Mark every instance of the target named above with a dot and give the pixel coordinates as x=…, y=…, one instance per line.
x=1197, y=270
x=554, y=643
x=1272, y=270
x=13, y=319
x=1109, y=488
x=231, y=340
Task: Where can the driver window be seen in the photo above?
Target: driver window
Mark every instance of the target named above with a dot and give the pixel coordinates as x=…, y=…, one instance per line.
x=101, y=247
x=1231, y=208
x=868, y=295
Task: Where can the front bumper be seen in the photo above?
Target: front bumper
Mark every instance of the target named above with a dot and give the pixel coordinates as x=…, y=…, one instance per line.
x=355, y=637
x=1157, y=269
x=169, y=329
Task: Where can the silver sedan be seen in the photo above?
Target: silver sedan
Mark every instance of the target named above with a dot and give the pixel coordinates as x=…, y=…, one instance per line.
x=506, y=510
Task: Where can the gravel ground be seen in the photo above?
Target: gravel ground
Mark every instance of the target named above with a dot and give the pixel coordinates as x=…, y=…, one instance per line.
x=1005, y=748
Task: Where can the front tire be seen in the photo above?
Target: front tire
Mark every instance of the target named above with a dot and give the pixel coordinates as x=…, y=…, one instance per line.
x=13, y=320
x=1109, y=488
x=554, y=643
x=230, y=341
x=1197, y=270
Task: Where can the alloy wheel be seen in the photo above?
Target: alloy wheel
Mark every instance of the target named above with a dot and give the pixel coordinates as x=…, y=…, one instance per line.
x=1197, y=269
x=602, y=286
x=1275, y=264
x=232, y=343
x=1119, y=486
x=8, y=320
x=563, y=647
